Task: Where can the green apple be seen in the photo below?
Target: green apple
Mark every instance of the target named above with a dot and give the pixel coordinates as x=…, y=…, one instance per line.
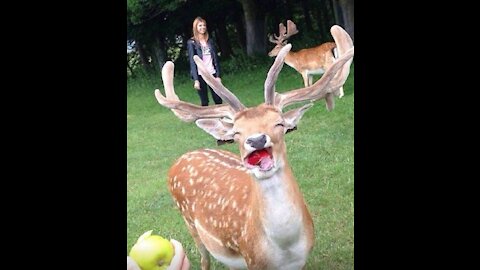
x=152, y=252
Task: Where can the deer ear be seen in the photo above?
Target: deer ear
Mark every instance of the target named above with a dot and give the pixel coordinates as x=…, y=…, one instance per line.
x=219, y=129
x=292, y=117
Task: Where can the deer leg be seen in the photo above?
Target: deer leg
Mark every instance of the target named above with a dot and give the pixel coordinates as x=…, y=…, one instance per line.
x=340, y=92
x=305, y=78
x=330, y=101
x=205, y=259
x=310, y=79
x=205, y=255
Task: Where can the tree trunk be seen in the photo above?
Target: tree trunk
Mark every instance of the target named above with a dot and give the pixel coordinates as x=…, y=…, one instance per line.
x=239, y=25
x=130, y=68
x=255, y=27
x=306, y=13
x=347, y=15
x=328, y=11
x=321, y=13
x=337, y=13
x=222, y=37
x=275, y=18
x=159, y=52
x=143, y=55
x=288, y=10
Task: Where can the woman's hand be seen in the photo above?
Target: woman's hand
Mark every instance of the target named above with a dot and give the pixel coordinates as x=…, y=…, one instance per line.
x=196, y=85
x=131, y=264
x=179, y=260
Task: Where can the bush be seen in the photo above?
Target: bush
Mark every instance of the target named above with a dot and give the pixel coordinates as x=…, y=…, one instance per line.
x=240, y=61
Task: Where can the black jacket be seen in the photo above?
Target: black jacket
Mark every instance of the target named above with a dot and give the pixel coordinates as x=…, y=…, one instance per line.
x=194, y=48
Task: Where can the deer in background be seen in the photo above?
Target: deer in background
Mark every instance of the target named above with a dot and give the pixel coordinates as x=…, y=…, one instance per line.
x=307, y=62
x=247, y=211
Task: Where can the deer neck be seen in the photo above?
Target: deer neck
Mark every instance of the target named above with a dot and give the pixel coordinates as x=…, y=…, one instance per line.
x=291, y=60
x=280, y=207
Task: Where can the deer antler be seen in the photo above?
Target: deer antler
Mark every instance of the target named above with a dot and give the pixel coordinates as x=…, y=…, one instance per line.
x=291, y=28
x=281, y=31
x=332, y=79
x=344, y=43
x=186, y=111
x=218, y=87
x=284, y=33
x=272, y=75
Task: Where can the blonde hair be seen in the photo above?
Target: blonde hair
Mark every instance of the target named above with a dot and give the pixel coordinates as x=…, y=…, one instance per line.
x=195, y=31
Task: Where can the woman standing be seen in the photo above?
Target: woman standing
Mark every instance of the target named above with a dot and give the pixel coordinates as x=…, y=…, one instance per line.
x=204, y=47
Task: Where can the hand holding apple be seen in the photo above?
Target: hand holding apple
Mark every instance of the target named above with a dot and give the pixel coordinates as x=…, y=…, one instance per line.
x=178, y=262
x=131, y=264
x=152, y=252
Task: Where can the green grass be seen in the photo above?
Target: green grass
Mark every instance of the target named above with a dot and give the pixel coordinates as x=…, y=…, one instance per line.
x=320, y=153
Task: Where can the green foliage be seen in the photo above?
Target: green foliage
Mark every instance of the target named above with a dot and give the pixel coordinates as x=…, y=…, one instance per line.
x=162, y=27
x=308, y=40
x=240, y=61
x=138, y=11
x=146, y=20
x=320, y=153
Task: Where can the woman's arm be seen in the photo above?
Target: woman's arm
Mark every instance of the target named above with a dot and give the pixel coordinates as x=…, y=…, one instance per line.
x=191, y=53
x=216, y=62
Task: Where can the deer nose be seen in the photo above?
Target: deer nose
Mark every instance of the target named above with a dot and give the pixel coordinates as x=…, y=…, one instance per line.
x=257, y=142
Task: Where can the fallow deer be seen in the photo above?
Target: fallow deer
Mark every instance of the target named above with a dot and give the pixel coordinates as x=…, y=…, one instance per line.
x=309, y=61
x=247, y=211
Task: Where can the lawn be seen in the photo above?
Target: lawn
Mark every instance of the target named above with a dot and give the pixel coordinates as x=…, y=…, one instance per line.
x=320, y=152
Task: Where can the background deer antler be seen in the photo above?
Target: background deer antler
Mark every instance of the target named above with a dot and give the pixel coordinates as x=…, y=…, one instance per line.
x=331, y=80
x=314, y=60
x=284, y=33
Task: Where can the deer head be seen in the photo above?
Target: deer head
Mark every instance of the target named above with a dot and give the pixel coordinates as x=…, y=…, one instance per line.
x=282, y=38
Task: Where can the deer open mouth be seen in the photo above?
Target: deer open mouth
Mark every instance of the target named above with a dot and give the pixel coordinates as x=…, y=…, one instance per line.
x=263, y=159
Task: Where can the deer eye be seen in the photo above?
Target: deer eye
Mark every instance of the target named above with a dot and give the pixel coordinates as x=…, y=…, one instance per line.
x=280, y=125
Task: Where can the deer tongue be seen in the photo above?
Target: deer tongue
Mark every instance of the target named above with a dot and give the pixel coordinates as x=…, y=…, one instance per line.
x=266, y=163
x=260, y=158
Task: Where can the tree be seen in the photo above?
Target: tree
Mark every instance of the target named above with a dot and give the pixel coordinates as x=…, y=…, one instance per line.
x=306, y=13
x=255, y=26
x=145, y=20
x=160, y=28
x=222, y=37
x=346, y=7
